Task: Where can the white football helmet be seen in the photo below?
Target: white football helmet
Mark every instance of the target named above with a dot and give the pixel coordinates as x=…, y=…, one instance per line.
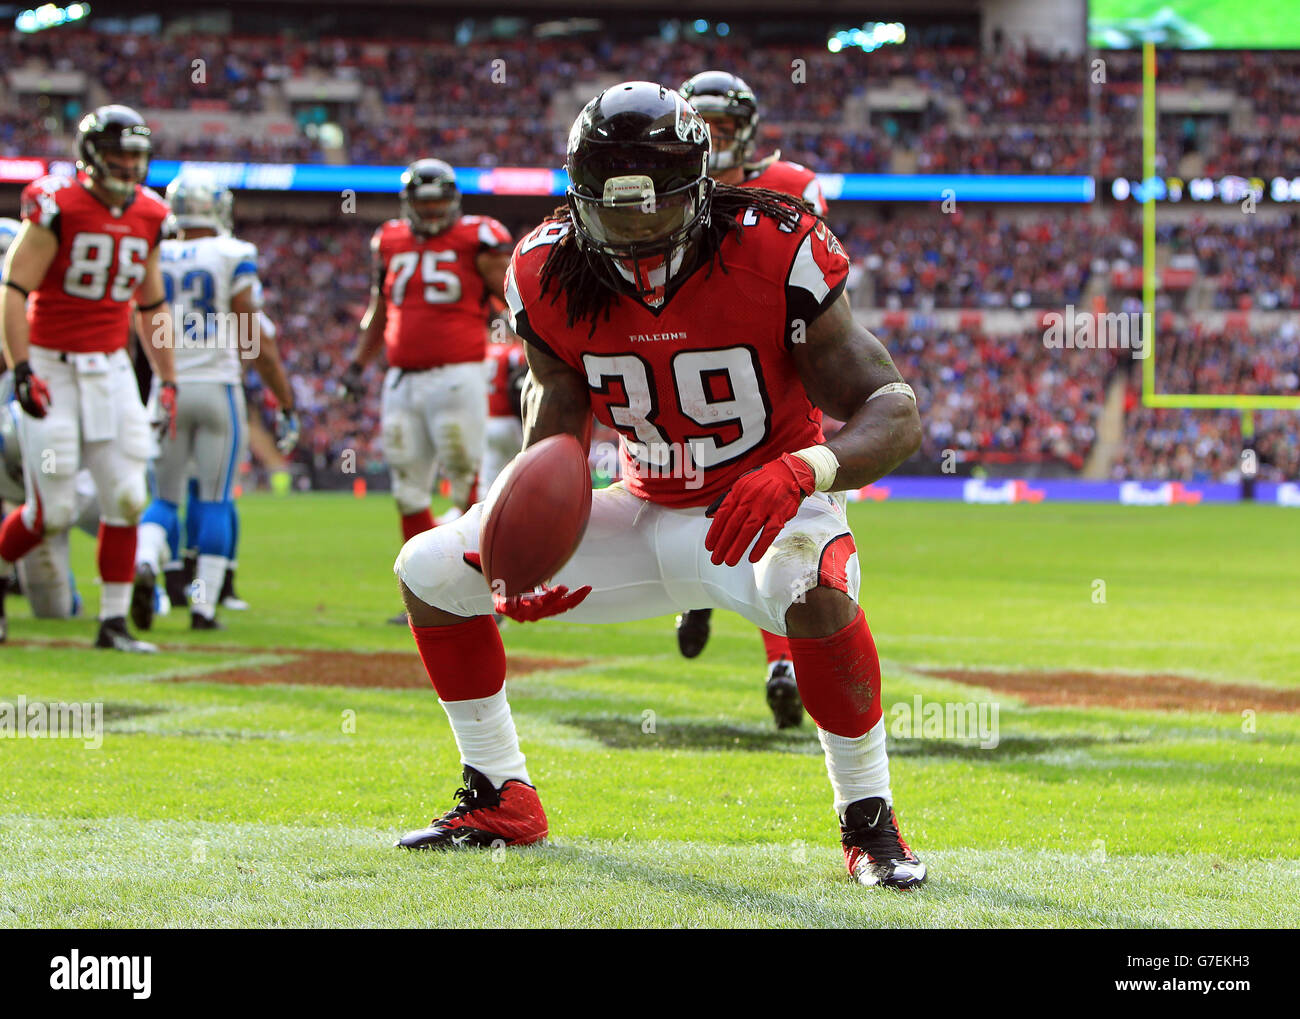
x=197, y=201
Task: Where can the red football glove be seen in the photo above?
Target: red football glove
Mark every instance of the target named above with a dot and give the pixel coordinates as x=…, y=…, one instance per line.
x=760, y=503
x=528, y=608
x=32, y=392
x=167, y=404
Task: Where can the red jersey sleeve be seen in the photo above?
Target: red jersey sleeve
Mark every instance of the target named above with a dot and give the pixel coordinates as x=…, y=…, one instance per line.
x=492, y=236
x=39, y=204
x=816, y=278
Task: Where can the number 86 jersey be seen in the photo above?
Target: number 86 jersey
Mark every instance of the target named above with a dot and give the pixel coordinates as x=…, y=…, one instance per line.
x=703, y=388
x=84, y=302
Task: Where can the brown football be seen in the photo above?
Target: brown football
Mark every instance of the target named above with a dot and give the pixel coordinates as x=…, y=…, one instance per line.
x=535, y=514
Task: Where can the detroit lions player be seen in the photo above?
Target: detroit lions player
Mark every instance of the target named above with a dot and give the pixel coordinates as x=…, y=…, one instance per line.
x=216, y=298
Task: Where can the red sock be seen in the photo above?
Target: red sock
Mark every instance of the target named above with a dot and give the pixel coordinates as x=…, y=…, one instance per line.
x=464, y=661
x=416, y=523
x=776, y=646
x=116, y=553
x=839, y=678
x=16, y=538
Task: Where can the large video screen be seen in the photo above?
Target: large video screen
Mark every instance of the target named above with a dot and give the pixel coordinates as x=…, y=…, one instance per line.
x=1195, y=24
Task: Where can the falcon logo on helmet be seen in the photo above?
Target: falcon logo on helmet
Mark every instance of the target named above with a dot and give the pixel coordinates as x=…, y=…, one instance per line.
x=197, y=202
x=425, y=182
x=639, y=190
x=720, y=96
x=113, y=149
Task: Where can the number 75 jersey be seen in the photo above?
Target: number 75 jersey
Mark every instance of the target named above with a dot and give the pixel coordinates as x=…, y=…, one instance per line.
x=703, y=388
x=84, y=302
x=434, y=296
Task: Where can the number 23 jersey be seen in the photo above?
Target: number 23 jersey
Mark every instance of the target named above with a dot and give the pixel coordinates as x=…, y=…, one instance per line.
x=704, y=388
x=84, y=302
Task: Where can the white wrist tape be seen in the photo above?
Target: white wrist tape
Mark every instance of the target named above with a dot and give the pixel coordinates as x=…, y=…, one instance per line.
x=894, y=387
x=824, y=463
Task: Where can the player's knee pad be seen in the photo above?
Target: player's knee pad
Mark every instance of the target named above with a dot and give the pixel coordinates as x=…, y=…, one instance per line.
x=46, y=580
x=57, y=514
x=128, y=499
x=457, y=458
x=213, y=527
x=432, y=565
x=410, y=496
x=799, y=561
x=402, y=435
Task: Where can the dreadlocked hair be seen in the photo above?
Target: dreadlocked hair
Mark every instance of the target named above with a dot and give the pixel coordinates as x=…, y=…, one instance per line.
x=567, y=270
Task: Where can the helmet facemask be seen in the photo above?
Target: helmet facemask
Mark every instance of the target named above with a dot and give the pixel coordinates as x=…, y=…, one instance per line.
x=133, y=145
x=733, y=145
x=413, y=194
x=636, y=236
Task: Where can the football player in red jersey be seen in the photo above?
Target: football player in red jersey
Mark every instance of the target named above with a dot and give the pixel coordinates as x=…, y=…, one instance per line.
x=87, y=250
x=729, y=107
x=434, y=270
x=507, y=369
x=708, y=325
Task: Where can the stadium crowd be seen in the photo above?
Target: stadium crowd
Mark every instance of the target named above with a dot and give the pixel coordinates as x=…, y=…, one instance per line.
x=1023, y=112
x=490, y=102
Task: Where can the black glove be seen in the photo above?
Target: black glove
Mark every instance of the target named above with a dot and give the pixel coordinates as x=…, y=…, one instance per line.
x=351, y=386
x=32, y=392
x=286, y=431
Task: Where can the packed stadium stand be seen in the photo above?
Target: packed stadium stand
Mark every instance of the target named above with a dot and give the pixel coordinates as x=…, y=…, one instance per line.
x=989, y=388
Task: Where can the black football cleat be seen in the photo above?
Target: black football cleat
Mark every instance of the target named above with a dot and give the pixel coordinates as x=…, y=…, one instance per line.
x=484, y=817
x=142, y=597
x=693, y=631
x=874, y=850
x=177, y=587
x=114, y=636
x=199, y=621
x=783, y=695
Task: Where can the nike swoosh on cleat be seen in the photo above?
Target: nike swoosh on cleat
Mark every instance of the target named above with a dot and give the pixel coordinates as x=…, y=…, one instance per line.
x=459, y=841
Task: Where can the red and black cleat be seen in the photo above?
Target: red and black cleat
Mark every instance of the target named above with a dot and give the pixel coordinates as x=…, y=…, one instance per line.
x=874, y=850
x=484, y=817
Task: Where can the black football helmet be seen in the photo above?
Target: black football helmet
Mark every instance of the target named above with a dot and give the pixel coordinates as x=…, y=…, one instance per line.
x=723, y=94
x=114, y=131
x=429, y=180
x=639, y=188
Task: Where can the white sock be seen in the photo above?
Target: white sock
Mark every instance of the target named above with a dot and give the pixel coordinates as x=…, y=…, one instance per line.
x=113, y=600
x=858, y=768
x=485, y=734
x=208, y=578
x=150, y=546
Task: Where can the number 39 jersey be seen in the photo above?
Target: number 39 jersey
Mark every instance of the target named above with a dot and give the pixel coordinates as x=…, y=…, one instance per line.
x=704, y=388
x=84, y=302
x=433, y=293
x=202, y=277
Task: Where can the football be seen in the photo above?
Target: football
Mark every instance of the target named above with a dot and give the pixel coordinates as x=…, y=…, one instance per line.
x=535, y=514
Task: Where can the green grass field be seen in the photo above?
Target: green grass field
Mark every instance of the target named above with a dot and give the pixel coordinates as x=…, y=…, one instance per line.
x=211, y=804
